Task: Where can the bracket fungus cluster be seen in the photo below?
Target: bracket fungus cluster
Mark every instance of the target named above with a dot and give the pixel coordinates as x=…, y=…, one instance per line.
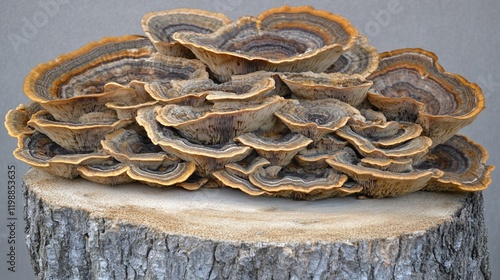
x=291, y=103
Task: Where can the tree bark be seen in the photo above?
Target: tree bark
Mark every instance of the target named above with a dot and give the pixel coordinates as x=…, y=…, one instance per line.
x=80, y=230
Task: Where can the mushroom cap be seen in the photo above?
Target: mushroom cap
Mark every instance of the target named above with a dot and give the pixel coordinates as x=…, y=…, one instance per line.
x=39, y=151
x=160, y=26
x=113, y=173
x=231, y=180
x=246, y=166
x=78, y=80
x=168, y=174
x=186, y=93
x=413, y=149
x=267, y=43
x=388, y=164
x=351, y=89
x=16, y=120
x=388, y=134
x=83, y=136
x=182, y=92
x=126, y=111
x=441, y=102
x=208, y=158
x=280, y=88
x=128, y=146
x=375, y=182
x=314, y=119
x=463, y=163
x=276, y=148
x=314, y=157
x=362, y=59
x=219, y=123
x=295, y=181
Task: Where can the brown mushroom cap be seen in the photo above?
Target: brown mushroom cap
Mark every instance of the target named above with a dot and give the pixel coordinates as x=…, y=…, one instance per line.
x=41, y=152
x=297, y=182
x=463, y=163
x=76, y=136
x=388, y=164
x=16, y=120
x=126, y=110
x=168, y=174
x=314, y=119
x=351, y=89
x=207, y=158
x=127, y=146
x=78, y=79
x=266, y=43
x=413, y=149
x=362, y=59
x=236, y=182
x=194, y=92
x=441, y=102
x=388, y=134
x=114, y=173
x=314, y=157
x=375, y=182
x=276, y=148
x=280, y=88
x=219, y=123
x=246, y=166
x=160, y=26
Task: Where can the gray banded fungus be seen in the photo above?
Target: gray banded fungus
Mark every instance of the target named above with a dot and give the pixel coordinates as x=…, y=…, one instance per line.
x=113, y=173
x=77, y=83
x=441, y=102
x=208, y=158
x=280, y=88
x=41, y=152
x=388, y=134
x=388, y=164
x=276, y=148
x=463, y=163
x=361, y=59
x=128, y=146
x=83, y=136
x=77, y=136
x=297, y=182
x=280, y=39
x=128, y=110
x=221, y=122
x=351, y=89
x=315, y=156
x=231, y=180
x=413, y=149
x=160, y=26
x=16, y=120
x=375, y=182
x=291, y=103
x=116, y=173
x=195, y=92
x=314, y=119
x=246, y=166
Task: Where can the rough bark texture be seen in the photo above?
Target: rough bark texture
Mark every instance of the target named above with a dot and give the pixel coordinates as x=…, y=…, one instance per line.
x=68, y=243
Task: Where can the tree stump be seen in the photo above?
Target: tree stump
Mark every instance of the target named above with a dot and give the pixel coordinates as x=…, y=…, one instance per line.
x=81, y=230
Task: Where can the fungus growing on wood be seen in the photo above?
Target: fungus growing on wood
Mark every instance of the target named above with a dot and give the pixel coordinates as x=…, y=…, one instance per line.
x=160, y=26
x=419, y=90
x=280, y=39
x=351, y=89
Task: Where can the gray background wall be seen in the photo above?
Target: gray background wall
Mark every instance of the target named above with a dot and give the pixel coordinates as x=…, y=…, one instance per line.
x=464, y=35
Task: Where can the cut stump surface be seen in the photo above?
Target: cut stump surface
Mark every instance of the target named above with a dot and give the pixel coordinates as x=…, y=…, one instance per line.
x=81, y=230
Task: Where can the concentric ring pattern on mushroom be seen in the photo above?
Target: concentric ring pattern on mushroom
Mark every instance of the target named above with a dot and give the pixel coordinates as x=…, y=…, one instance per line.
x=293, y=102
